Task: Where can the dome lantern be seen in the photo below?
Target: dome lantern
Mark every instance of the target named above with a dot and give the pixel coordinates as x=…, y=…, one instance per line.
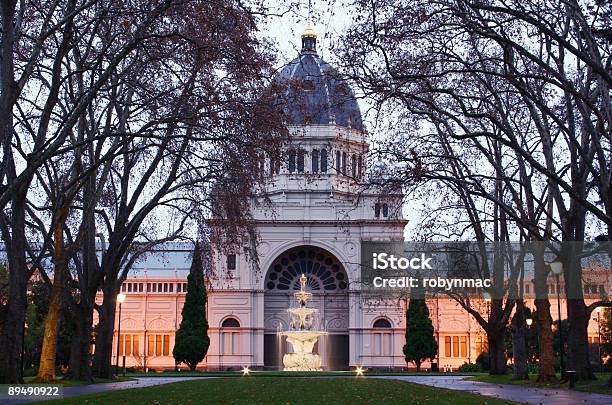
x=309, y=40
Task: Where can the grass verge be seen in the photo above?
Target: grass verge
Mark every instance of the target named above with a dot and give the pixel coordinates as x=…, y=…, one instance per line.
x=286, y=391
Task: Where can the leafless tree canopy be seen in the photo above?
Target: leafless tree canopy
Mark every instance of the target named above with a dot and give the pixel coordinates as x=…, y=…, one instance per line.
x=503, y=114
x=118, y=117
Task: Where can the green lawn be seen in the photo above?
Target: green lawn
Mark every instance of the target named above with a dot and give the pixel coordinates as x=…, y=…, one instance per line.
x=588, y=386
x=286, y=391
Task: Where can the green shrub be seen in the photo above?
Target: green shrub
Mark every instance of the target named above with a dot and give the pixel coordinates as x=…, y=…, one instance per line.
x=30, y=371
x=483, y=361
x=192, y=341
x=470, y=368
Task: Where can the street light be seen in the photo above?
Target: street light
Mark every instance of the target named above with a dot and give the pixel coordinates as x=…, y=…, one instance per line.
x=23, y=350
x=556, y=268
x=120, y=299
x=598, y=311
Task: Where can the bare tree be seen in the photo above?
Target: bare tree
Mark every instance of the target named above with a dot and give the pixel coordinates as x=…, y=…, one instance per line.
x=37, y=37
x=511, y=75
x=141, y=107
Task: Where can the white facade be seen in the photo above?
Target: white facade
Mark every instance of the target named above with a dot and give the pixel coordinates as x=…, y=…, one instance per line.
x=329, y=213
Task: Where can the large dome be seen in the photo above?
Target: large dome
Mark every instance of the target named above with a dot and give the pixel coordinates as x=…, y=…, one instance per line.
x=313, y=91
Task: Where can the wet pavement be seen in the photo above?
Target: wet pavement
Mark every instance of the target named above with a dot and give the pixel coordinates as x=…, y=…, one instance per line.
x=528, y=395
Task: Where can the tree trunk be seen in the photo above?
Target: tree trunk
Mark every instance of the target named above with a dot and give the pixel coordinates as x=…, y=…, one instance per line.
x=418, y=366
x=80, y=358
x=12, y=333
x=497, y=355
x=46, y=369
x=578, y=318
x=577, y=340
x=519, y=345
x=104, y=339
x=546, y=368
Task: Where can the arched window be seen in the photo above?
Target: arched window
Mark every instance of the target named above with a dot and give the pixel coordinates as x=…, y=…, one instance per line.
x=231, y=262
x=261, y=166
x=323, y=160
x=338, y=161
x=315, y=160
x=230, y=336
x=291, y=160
x=300, y=161
x=272, y=166
x=354, y=165
x=385, y=210
x=342, y=89
x=382, y=337
x=344, y=163
x=323, y=271
x=230, y=323
x=377, y=210
x=382, y=323
x=308, y=85
x=360, y=166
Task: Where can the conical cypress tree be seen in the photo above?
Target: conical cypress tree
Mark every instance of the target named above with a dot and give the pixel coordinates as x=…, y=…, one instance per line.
x=420, y=342
x=192, y=341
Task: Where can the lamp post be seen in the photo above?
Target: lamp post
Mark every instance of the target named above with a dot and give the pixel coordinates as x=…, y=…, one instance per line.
x=120, y=299
x=23, y=351
x=598, y=311
x=529, y=322
x=557, y=268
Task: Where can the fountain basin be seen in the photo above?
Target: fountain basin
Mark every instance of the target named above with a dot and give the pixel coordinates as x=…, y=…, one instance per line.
x=302, y=358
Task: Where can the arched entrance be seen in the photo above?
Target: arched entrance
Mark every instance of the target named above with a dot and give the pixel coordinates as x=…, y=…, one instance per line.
x=328, y=282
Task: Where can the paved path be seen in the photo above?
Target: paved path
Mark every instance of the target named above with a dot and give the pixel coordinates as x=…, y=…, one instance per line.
x=139, y=382
x=516, y=393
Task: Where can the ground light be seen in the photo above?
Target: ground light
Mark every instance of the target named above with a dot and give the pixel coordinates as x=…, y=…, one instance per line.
x=246, y=371
x=359, y=371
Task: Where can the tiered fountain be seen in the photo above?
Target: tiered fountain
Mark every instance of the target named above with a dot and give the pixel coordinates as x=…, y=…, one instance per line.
x=302, y=335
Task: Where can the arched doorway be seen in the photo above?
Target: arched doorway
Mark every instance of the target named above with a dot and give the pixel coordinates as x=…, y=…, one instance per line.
x=328, y=281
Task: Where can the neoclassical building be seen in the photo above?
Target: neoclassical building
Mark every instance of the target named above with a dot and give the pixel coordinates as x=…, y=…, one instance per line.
x=318, y=216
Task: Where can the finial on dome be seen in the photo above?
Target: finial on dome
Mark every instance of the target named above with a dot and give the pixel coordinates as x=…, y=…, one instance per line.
x=309, y=40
